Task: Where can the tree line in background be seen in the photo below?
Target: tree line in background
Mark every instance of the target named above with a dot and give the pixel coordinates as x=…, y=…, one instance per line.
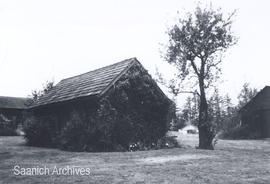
x=224, y=116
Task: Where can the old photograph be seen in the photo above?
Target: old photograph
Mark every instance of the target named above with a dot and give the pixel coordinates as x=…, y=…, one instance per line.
x=133, y=91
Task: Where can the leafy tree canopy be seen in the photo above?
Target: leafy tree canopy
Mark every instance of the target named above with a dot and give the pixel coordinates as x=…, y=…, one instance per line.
x=196, y=46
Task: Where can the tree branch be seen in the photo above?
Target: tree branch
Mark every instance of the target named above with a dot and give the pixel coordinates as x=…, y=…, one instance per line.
x=192, y=92
x=195, y=68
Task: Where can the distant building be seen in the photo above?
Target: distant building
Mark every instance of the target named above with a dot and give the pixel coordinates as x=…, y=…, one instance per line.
x=12, y=107
x=189, y=129
x=11, y=115
x=256, y=113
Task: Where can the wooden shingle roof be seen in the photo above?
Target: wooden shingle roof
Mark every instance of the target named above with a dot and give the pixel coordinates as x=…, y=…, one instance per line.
x=12, y=102
x=92, y=83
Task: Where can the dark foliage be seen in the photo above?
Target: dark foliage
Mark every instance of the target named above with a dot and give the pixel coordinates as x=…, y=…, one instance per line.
x=142, y=111
x=241, y=132
x=178, y=123
x=40, y=131
x=246, y=94
x=168, y=142
x=190, y=111
x=133, y=111
x=36, y=94
x=162, y=143
x=231, y=125
x=93, y=133
x=76, y=134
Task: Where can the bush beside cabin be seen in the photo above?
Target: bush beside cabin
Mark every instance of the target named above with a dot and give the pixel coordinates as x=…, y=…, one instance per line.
x=114, y=108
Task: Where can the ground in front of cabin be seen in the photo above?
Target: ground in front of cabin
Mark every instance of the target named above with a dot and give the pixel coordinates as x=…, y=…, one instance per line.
x=240, y=161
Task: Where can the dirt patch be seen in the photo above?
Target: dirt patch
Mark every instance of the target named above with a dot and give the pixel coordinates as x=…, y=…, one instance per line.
x=160, y=160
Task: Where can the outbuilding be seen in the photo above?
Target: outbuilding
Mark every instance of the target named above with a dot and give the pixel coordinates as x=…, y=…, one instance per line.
x=11, y=114
x=111, y=108
x=12, y=107
x=256, y=114
x=189, y=129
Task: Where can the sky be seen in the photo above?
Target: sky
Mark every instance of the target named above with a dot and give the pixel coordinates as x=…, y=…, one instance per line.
x=54, y=39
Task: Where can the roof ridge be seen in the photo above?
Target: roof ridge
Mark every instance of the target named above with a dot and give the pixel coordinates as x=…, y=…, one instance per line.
x=132, y=61
x=126, y=60
x=95, y=82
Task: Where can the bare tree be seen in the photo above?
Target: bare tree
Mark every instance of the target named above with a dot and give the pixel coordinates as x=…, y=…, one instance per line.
x=196, y=47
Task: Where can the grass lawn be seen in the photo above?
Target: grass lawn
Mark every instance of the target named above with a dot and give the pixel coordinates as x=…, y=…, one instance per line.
x=242, y=161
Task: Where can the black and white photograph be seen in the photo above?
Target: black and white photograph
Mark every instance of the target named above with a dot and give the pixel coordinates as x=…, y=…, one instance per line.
x=135, y=91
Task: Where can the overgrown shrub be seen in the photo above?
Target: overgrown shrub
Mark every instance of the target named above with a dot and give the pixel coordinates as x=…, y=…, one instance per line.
x=40, y=131
x=232, y=129
x=178, y=123
x=133, y=111
x=241, y=132
x=167, y=142
x=81, y=134
x=74, y=135
x=162, y=143
x=146, y=109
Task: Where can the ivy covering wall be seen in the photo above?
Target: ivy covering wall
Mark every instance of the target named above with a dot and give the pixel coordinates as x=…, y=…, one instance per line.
x=133, y=115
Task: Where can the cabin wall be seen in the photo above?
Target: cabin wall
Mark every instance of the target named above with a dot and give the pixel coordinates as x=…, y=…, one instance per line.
x=133, y=111
x=266, y=123
x=62, y=112
x=258, y=122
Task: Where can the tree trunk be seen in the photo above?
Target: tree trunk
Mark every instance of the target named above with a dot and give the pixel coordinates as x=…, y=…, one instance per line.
x=206, y=135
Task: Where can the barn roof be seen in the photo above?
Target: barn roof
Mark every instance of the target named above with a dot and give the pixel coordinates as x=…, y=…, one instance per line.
x=12, y=102
x=260, y=102
x=92, y=83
